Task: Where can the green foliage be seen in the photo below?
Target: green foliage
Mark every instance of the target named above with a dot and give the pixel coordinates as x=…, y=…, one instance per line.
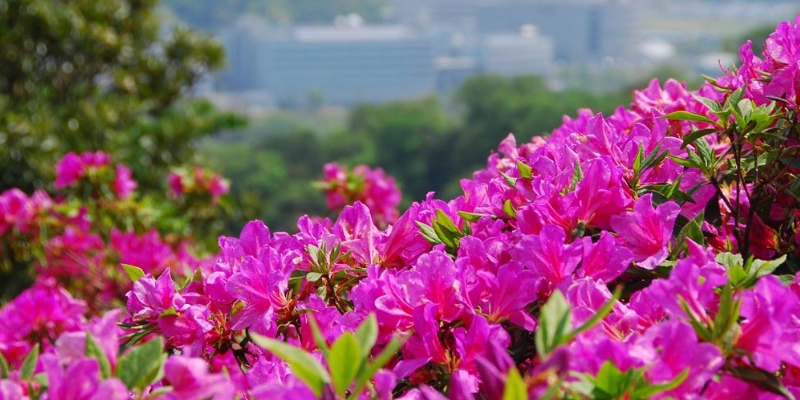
x=3, y=367
x=745, y=274
x=133, y=272
x=555, y=322
x=29, y=365
x=348, y=359
x=610, y=383
x=305, y=367
x=142, y=365
x=442, y=230
x=515, y=386
x=93, y=350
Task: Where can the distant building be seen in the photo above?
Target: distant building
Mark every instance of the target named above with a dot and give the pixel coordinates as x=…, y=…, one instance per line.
x=526, y=53
x=346, y=63
x=583, y=30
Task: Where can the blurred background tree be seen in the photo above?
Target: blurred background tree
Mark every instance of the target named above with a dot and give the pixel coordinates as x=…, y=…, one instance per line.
x=99, y=74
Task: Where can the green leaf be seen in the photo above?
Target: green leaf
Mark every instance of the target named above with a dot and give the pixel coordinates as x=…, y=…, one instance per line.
x=344, y=361
x=3, y=367
x=710, y=104
x=386, y=355
x=134, y=273
x=511, y=181
x=29, y=365
x=471, y=217
x=93, y=350
x=552, y=391
x=655, y=158
x=140, y=366
x=686, y=162
x=367, y=333
x=428, y=233
x=729, y=259
x=761, y=268
x=445, y=222
x=515, y=386
x=555, y=321
x=168, y=312
x=727, y=313
x=637, y=162
x=690, y=138
x=446, y=237
x=699, y=328
x=524, y=170
x=786, y=279
x=692, y=230
x=313, y=276
x=303, y=365
x=508, y=208
x=652, y=390
x=687, y=116
x=577, y=175
x=705, y=152
x=735, y=98
x=41, y=379
x=762, y=378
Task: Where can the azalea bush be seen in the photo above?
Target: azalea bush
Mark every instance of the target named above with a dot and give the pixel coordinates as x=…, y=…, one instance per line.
x=363, y=184
x=651, y=253
x=96, y=221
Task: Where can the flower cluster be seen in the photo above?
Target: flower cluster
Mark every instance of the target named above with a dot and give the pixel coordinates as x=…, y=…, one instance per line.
x=197, y=182
x=94, y=166
x=80, y=239
x=361, y=184
x=647, y=254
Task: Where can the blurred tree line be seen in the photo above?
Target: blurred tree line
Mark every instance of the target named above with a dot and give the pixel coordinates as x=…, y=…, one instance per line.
x=425, y=144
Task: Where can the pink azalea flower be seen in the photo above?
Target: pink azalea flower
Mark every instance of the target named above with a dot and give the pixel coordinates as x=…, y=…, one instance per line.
x=440, y=285
x=69, y=170
x=80, y=380
x=39, y=314
x=71, y=346
x=124, y=184
x=149, y=297
x=675, y=348
x=647, y=231
x=191, y=380
x=605, y=259
x=548, y=255
x=509, y=293
x=175, y=184
x=424, y=346
x=261, y=286
x=11, y=390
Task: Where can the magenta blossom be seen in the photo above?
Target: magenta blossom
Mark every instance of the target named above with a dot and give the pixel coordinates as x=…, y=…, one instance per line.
x=80, y=380
x=548, y=255
x=124, y=184
x=647, y=231
x=191, y=380
x=73, y=167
